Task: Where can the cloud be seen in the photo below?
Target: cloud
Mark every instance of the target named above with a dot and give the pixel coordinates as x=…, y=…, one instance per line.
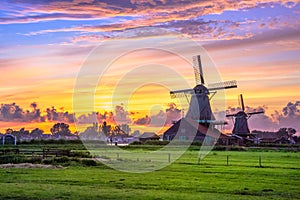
x=289, y=116
x=162, y=118
x=118, y=117
x=122, y=116
x=88, y=38
x=177, y=14
x=173, y=113
x=44, y=17
x=14, y=113
x=143, y=121
x=54, y=115
x=270, y=36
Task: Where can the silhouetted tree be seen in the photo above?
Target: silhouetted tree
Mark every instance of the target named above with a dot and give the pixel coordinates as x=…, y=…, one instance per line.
x=106, y=128
x=61, y=129
x=36, y=133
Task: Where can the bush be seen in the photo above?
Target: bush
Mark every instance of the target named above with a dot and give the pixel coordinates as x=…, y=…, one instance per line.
x=34, y=160
x=89, y=162
x=196, y=143
x=219, y=148
x=12, y=159
x=136, y=143
x=61, y=141
x=47, y=161
x=179, y=142
x=156, y=142
x=63, y=159
x=81, y=154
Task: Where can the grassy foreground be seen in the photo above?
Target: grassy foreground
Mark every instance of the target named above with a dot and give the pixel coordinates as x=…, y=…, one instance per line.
x=242, y=178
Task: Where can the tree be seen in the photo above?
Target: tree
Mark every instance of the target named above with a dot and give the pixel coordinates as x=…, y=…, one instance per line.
x=61, y=129
x=37, y=133
x=291, y=131
x=106, y=128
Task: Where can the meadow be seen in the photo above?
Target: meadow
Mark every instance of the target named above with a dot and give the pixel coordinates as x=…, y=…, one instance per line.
x=220, y=175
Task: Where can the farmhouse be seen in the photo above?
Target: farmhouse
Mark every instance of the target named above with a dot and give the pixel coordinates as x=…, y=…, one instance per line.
x=189, y=130
x=148, y=136
x=282, y=136
x=8, y=139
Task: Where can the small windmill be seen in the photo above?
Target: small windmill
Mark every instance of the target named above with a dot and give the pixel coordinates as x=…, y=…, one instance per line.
x=199, y=105
x=241, y=120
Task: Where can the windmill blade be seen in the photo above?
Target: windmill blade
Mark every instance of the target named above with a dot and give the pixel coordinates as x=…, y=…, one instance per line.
x=231, y=115
x=178, y=93
x=197, y=75
x=198, y=70
x=215, y=122
x=181, y=96
x=254, y=113
x=223, y=85
x=242, y=102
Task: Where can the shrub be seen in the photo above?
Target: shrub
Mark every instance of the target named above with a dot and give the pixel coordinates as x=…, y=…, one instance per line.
x=196, y=143
x=47, y=161
x=156, y=142
x=81, y=154
x=219, y=148
x=34, y=160
x=12, y=159
x=136, y=143
x=88, y=162
x=63, y=159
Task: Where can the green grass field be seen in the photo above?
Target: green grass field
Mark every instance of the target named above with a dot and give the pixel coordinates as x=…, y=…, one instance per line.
x=214, y=178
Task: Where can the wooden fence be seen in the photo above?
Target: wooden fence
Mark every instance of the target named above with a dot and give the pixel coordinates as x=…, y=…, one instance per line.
x=44, y=153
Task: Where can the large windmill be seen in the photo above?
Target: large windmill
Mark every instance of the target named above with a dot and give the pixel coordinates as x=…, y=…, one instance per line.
x=241, y=120
x=199, y=105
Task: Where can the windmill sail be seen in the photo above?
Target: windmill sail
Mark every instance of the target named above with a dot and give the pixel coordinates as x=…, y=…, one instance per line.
x=242, y=102
x=230, y=115
x=222, y=85
x=198, y=97
x=254, y=113
x=198, y=70
x=178, y=93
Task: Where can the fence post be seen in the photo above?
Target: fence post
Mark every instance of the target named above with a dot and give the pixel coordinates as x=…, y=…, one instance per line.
x=259, y=160
x=169, y=157
x=199, y=159
x=227, y=159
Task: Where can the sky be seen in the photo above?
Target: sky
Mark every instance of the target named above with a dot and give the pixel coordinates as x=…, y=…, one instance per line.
x=46, y=45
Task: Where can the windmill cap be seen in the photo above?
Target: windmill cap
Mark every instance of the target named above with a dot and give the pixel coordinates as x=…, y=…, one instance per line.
x=201, y=89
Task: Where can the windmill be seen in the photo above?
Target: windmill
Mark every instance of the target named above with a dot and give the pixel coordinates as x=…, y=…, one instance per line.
x=199, y=105
x=241, y=120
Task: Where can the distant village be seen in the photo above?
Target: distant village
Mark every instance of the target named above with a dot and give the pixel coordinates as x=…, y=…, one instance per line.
x=60, y=131
x=121, y=134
